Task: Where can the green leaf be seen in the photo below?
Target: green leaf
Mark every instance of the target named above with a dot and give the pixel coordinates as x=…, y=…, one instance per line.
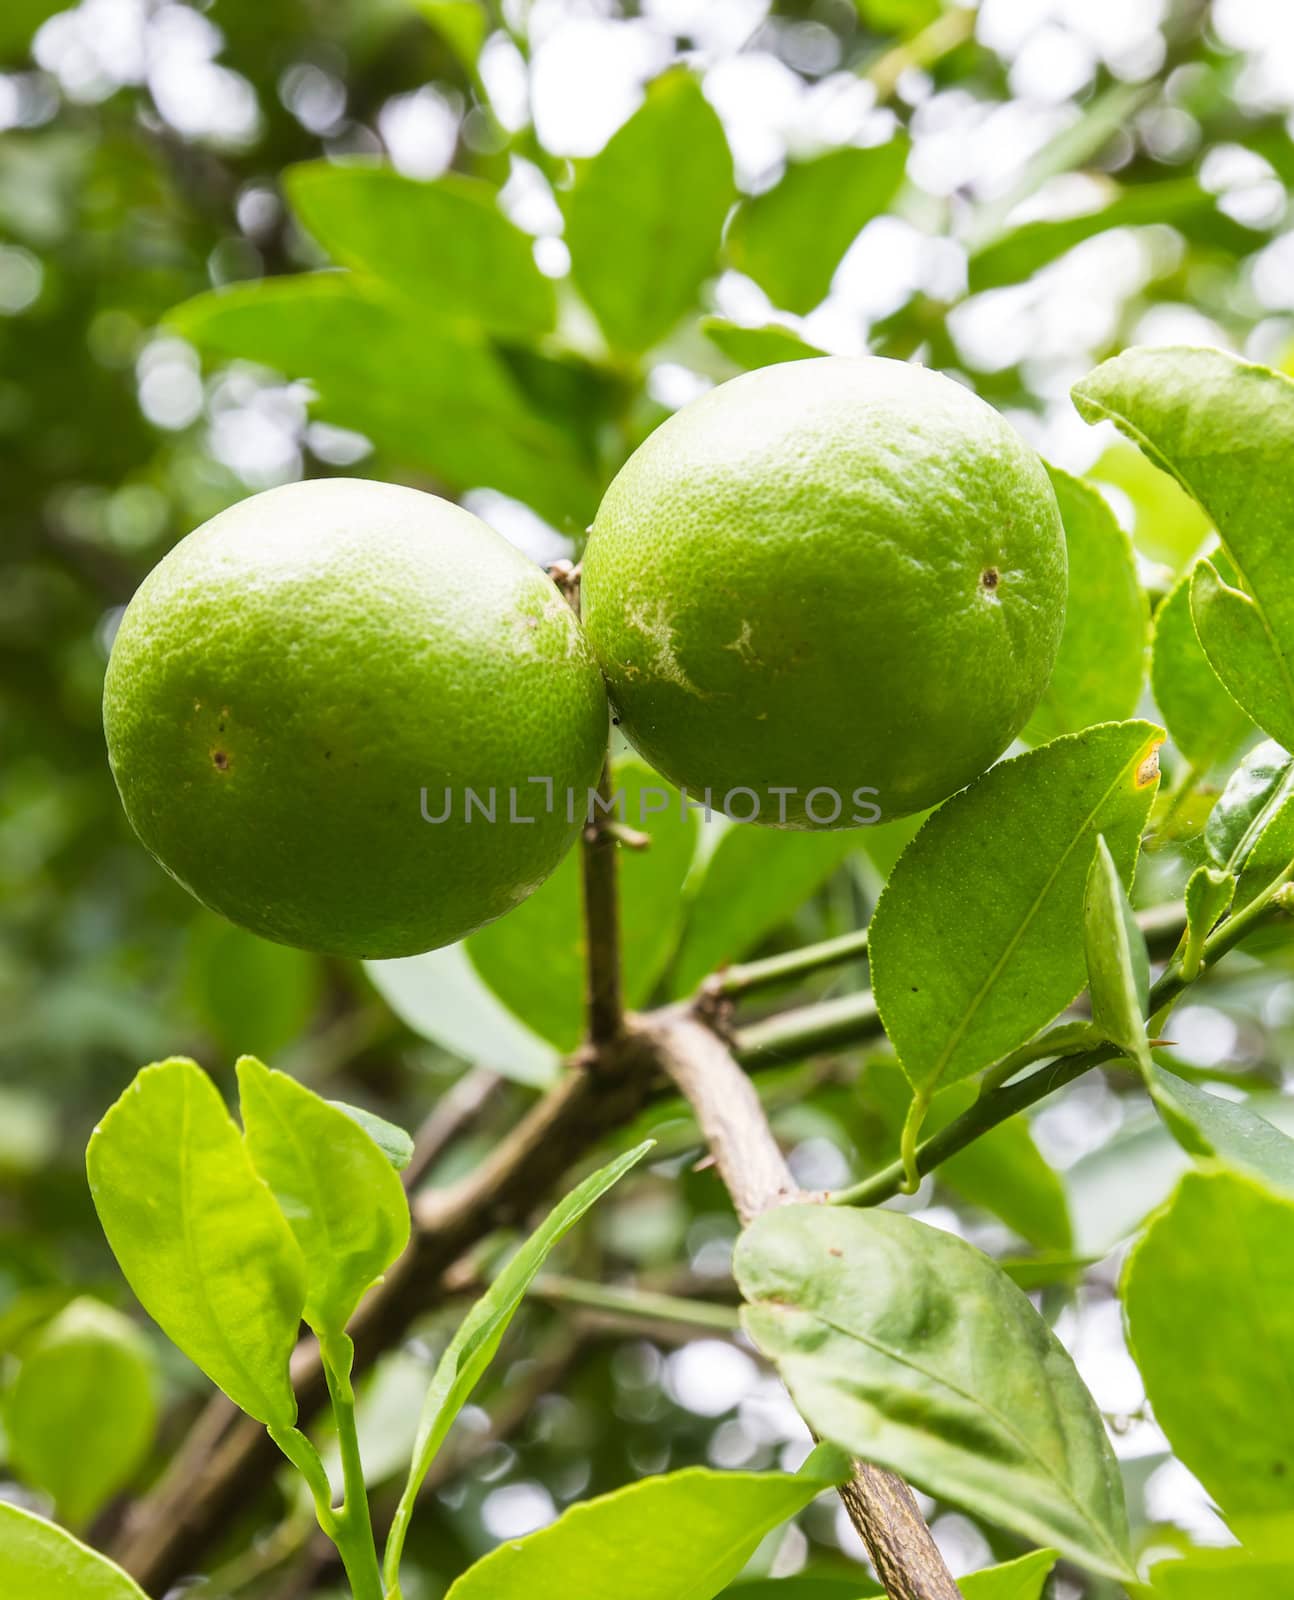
x=394, y=1143
x=250, y=995
x=472, y=1348
x=1223, y=1248
x=644, y=217
x=82, y=1413
x=1225, y=430
x=1209, y=894
x=1118, y=965
x=907, y=1346
x=342, y=1198
x=445, y=244
x=757, y=347
x=199, y=1236
x=977, y=941
x=681, y=1536
x=1226, y=1574
x=1102, y=659
x=1206, y=724
x=39, y=1561
x=1239, y=639
x=810, y=1585
x=549, y=995
x=1022, y=252
x=1002, y=1171
x=461, y=23
x=442, y=997
x=1209, y=1127
x=433, y=397
x=1015, y=1580
x=1250, y=831
x=753, y=882
x=791, y=238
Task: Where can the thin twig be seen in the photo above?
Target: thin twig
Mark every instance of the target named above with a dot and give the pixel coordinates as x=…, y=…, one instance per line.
x=452, y=1115
x=996, y=1107
x=750, y=976
x=754, y=1171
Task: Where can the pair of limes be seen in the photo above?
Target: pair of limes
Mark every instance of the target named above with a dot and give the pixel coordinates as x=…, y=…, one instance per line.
x=351, y=717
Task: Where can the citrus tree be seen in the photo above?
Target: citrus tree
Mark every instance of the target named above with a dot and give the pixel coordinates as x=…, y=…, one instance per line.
x=852, y=798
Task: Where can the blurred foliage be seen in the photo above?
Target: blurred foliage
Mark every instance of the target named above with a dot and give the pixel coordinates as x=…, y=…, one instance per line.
x=485, y=250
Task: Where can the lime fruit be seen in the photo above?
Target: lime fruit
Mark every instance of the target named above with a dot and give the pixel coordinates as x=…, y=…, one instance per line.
x=311, y=678
x=839, y=577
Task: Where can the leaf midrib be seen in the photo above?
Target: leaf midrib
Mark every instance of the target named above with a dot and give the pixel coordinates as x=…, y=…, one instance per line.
x=1009, y=1428
x=1022, y=928
x=210, y=1317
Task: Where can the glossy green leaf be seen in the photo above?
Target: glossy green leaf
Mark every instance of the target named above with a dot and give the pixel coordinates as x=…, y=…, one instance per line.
x=1210, y=1127
x=441, y=996
x=754, y=881
x=343, y=1199
x=1118, y=966
x=810, y=1585
x=445, y=244
x=1225, y=430
x=1014, y=1580
x=644, y=217
x=1209, y=893
x=1003, y=1171
x=472, y=1348
x=548, y=991
x=1022, y=252
x=1206, y=724
x=1102, y=659
x=199, y=1236
x=907, y=1346
x=1223, y=1248
x=39, y=1561
x=1250, y=831
x=791, y=238
x=394, y=1143
x=249, y=994
x=968, y=964
x=1022, y=1579
x=431, y=396
x=681, y=1536
x=81, y=1415
x=1239, y=639
x=461, y=23
x=757, y=347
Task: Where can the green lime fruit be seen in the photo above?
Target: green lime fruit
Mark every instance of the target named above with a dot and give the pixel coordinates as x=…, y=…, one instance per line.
x=308, y=683
x=829, y=592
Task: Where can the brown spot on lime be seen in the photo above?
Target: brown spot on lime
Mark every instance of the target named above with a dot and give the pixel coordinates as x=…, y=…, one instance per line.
x=989, y=579
x=220, y=760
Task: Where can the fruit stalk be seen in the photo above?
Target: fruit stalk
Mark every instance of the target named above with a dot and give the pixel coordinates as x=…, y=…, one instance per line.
x=603, y=1000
